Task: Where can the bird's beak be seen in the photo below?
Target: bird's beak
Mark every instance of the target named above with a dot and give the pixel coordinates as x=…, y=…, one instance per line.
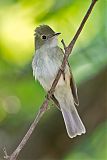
x=56, y=34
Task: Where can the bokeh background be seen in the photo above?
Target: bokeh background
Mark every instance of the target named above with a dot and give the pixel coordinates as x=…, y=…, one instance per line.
x=21, y=96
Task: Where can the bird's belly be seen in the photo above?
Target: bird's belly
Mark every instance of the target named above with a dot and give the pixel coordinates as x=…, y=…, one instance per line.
x=46, y=71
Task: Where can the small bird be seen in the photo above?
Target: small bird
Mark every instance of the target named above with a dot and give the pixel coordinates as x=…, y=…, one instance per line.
x=46, y=62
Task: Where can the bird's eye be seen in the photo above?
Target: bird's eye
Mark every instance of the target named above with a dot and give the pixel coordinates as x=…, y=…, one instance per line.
x=43, y=37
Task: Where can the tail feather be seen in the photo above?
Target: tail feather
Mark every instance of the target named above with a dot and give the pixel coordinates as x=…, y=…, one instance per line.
x=72, y=120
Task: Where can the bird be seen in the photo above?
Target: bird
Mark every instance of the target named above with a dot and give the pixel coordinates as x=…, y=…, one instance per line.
x=46, y=62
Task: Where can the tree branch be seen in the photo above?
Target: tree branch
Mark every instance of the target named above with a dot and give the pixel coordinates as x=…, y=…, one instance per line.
x=44, y=106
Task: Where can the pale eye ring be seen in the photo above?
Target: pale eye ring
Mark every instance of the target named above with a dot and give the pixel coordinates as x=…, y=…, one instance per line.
x=43, y=37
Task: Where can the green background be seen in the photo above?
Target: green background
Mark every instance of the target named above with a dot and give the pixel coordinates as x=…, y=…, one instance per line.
x=21, y=96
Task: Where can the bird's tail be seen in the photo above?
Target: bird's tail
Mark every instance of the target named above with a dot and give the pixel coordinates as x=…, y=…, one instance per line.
x=71, y=117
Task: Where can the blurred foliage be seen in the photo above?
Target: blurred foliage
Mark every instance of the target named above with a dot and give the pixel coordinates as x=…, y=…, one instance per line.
x=20, y=95
x=95, y=146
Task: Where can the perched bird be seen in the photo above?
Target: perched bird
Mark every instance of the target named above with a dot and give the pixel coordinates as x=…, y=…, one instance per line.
x=46, y=62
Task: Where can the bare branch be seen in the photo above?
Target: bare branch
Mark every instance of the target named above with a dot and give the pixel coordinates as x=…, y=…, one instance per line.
x=44, y=106
x=63, y=44
x=42, y=110
x=5, y=153
x=71, y=45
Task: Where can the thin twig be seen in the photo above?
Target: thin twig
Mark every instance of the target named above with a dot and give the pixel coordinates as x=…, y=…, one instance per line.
x=42, y=110
x=64, y=45
x=71, y=45
x=44, y=106
x=5, y=153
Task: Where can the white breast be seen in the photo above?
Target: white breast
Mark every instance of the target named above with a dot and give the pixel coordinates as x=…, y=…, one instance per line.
x=45, y=67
